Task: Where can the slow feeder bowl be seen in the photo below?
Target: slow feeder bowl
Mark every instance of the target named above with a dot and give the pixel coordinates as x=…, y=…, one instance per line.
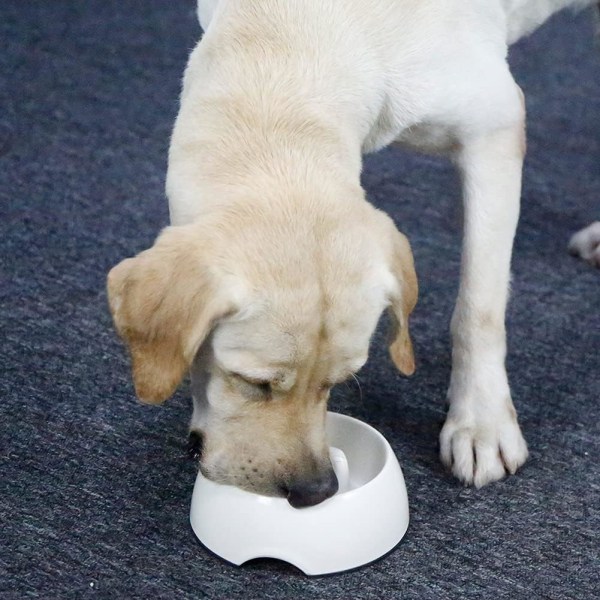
x=364, y=520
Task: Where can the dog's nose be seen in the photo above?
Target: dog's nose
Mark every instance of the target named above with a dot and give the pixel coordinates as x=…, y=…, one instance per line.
x=308, y=492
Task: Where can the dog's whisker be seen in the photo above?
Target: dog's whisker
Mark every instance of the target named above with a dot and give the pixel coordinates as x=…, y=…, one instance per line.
x=359, y=386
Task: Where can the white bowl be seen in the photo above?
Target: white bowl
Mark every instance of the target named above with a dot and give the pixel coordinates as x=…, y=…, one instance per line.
x=362, y=522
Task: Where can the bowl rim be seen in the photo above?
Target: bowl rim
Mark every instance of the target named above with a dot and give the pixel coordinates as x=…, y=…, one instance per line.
x=381, y=438
x=246, y=495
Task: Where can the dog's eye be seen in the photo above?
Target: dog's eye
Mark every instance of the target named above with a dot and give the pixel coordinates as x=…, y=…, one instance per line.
x=255, y=385
x=263, y=386
x=260, y=389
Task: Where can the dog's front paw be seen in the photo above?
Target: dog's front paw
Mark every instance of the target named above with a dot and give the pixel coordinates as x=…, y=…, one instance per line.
x=480, y=449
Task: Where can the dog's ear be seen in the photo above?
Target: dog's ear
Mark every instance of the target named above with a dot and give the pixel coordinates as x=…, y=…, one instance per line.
x=402, y=302
x=164, y=303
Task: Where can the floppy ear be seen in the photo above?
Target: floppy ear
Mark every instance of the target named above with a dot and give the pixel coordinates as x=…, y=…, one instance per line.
x=403, y=302
x=164, y=303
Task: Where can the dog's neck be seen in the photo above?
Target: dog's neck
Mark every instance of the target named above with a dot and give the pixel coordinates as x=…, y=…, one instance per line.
x=249, y=152
x=254, y=122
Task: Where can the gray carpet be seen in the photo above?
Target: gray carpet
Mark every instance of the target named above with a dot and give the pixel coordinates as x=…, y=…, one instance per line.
x=95, y=489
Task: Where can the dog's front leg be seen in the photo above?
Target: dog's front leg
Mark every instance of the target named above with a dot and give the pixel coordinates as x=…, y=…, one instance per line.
x=481, y=439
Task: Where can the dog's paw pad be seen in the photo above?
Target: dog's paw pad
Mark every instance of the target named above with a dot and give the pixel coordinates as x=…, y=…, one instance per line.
x=194, y=447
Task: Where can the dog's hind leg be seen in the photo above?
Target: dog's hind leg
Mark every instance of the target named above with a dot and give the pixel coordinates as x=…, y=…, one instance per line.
x=597, y=28
x=481, y=439
x=205, y=11
x=586, y=244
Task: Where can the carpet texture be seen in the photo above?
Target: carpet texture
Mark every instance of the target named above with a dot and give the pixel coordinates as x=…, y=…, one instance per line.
x=95, y=488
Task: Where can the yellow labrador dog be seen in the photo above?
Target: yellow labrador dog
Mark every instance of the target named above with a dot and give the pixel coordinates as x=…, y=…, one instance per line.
x=269, y=283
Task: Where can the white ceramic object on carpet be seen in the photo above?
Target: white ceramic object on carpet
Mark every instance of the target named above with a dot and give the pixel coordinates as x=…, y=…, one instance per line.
x=364, y=520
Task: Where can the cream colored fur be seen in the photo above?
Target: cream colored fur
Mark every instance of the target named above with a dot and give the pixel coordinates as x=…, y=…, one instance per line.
x=277, y=269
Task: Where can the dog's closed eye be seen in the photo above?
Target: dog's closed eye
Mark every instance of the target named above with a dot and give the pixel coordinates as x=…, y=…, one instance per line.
x=256, y=387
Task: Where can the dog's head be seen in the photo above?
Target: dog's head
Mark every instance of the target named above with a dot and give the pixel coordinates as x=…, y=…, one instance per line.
x=269, y=311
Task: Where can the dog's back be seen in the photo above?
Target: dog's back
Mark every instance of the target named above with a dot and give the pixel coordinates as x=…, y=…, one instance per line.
x=523, y=16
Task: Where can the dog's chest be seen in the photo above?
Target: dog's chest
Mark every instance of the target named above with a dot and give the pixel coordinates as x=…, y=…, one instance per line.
x=392, y=126
x=428, y=137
